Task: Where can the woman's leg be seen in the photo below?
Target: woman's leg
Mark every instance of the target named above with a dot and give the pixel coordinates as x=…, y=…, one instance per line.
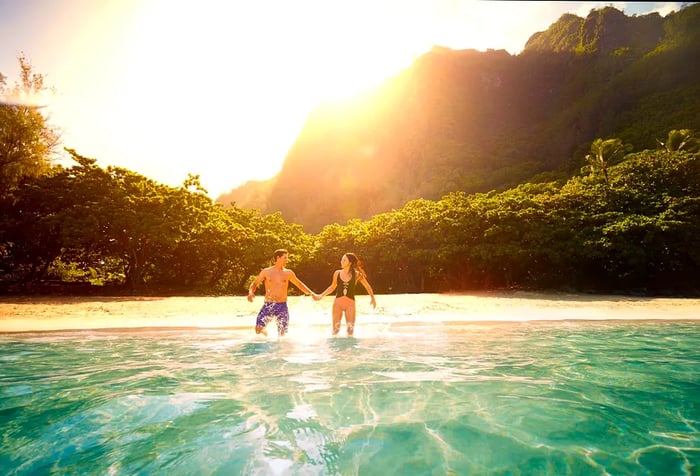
x=337, y=315
x=350, y=318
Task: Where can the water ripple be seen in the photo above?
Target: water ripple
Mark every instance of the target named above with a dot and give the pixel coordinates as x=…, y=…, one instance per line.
x=555, y=398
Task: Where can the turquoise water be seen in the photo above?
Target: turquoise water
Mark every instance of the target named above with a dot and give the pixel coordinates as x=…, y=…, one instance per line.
x=567, y=397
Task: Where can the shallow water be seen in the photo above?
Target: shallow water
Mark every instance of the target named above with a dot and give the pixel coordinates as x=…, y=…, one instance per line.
x=566, y=397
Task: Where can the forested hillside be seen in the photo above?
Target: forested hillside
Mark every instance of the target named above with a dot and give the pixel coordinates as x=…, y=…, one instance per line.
x=477, y=121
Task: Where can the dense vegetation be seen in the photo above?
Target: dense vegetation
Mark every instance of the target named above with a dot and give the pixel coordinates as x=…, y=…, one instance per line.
x=630, y=226
x=602, y=215
x=113, y=226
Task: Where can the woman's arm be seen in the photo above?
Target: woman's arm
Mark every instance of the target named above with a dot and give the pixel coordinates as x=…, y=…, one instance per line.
x=369, y=289
x=333, y=285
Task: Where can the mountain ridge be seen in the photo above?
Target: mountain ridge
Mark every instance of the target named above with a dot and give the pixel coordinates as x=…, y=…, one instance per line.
x=476, y=121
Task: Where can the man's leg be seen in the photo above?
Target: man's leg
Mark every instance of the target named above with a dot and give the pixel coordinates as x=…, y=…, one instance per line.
x=282, y=313
x=262, y=319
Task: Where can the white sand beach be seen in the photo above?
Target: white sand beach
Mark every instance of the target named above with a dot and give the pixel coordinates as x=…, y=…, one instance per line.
x=27, y=314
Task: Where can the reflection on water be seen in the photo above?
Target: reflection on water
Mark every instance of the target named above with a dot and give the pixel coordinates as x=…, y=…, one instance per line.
x=499, y=398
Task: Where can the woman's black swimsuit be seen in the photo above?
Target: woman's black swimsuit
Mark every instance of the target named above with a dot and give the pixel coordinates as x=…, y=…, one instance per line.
x=346, y=288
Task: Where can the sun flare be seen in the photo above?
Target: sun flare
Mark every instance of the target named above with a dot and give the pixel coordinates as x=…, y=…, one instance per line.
x=222, y=89
x=258, y=75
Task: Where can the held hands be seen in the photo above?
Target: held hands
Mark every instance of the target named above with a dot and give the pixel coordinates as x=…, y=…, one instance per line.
x=317, y=297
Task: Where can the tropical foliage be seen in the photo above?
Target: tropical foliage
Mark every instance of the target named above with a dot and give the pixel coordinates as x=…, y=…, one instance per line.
x=115, y=227
x=635, y=229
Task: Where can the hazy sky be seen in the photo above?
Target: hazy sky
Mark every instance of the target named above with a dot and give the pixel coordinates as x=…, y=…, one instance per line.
x=222, y=88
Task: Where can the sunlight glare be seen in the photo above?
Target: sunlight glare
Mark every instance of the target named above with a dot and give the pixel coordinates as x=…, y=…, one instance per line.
x=223, y=89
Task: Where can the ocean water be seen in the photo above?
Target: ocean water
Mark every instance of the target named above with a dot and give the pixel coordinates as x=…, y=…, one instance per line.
x=417, y=398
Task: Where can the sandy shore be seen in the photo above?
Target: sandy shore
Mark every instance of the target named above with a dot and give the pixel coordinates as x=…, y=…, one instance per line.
x=22, y=314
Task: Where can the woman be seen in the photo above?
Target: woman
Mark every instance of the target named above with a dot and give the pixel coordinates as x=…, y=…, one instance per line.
x=345, y=280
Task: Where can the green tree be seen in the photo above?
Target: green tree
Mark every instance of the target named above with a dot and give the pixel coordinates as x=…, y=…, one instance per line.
x=605, y=152
x=680, y=139
x=118, y=214
x=31, y=223
x=205, y=246
x=266, y=233
x=27, y=140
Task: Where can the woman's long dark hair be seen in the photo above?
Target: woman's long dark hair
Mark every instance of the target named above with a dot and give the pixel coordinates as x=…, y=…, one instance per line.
x=356, y=266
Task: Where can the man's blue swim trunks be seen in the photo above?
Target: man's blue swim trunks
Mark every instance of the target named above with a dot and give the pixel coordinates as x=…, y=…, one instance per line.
x=272, y=310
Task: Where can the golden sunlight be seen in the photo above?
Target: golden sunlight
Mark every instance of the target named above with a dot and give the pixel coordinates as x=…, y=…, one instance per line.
x=245, y=71
x=355, y=50
x=222, y=89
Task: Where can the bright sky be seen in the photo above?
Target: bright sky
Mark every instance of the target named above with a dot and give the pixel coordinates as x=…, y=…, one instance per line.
x=222, y=88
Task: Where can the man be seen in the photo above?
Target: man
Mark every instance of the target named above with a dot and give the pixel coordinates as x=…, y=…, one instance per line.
x=277, y=279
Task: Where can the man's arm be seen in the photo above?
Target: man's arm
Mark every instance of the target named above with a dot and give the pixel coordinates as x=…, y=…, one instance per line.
x=254, y=285
x=304, y=288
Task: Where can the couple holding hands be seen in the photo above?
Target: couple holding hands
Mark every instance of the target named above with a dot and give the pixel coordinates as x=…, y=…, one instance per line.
x=277, y=279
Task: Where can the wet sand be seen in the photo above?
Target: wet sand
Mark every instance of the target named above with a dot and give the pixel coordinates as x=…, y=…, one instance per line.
x=28, y=314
